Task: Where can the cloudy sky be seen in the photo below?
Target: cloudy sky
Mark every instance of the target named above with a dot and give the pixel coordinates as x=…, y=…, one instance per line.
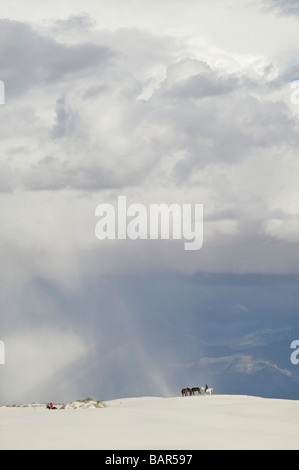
x=163, y=102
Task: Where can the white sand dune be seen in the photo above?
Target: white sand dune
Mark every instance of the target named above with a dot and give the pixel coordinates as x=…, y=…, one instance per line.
x=201, y=422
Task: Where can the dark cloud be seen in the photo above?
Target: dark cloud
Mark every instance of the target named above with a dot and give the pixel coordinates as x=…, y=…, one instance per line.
x=29, y=59
x=183, y=113
x=285, y=7
x=153, y=334
x=80, y=23
x=59, y=130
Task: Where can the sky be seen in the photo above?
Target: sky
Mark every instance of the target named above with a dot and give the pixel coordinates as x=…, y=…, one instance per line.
x=168, y=102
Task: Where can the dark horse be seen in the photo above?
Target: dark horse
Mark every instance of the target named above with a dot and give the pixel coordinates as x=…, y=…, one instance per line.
x=186, y=392
x=196, y=390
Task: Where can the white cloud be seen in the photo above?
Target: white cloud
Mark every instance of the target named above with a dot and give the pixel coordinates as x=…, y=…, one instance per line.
x=243, y=364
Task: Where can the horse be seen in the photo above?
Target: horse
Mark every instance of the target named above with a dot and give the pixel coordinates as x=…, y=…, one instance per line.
x=196, y=389
x=186, y=391
x=209, y=391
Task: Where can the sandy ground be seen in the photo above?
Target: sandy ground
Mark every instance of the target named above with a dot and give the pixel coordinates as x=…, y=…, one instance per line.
x=191, y=423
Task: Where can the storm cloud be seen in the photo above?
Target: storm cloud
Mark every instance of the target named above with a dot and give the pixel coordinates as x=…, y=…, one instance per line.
x=288, y=7
x=30, y=59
